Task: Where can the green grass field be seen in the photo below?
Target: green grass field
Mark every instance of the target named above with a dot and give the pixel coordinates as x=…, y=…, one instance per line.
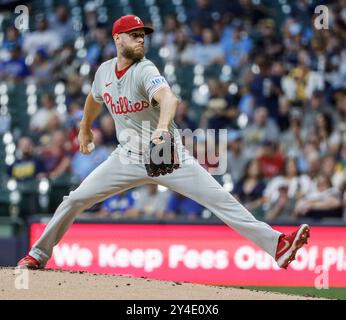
x=331, y=293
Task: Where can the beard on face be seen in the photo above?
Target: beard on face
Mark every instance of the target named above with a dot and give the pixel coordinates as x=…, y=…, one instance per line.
x=130, y=53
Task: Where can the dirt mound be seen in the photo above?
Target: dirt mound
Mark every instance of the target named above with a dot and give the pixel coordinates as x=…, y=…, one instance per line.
x=53, y=284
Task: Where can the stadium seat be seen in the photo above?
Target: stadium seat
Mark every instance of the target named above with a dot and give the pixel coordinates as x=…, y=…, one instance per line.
x=140, y=9
x=185, y=76
x=29, y=203
x=213, y=71
x=59, y=188
x=18, y=107
x=4, y=202
x=166, y=7
x=10, y=226
x=154, y=56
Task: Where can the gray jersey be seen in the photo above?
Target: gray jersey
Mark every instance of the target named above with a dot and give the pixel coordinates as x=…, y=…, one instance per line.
x=130, y=100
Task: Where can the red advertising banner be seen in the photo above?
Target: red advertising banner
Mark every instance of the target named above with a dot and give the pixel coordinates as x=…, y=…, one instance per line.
x=195, y=253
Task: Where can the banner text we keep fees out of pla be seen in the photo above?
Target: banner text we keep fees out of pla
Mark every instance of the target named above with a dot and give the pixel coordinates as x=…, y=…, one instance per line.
x=195, y=253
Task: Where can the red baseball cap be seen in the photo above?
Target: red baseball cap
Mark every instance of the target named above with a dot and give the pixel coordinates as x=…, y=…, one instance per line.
x=128, y=23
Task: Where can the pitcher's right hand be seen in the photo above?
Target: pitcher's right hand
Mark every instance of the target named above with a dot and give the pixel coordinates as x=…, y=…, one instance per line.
x=85, y=137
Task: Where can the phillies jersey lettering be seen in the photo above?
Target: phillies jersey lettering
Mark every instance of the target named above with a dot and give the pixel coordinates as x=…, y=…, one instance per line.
x=130, y=101
x=123, y=105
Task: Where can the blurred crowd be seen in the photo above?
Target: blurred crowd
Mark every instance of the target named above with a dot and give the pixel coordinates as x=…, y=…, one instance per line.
x=283, y=104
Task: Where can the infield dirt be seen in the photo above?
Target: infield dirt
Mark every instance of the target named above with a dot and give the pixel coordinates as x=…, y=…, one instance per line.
x=65, y=285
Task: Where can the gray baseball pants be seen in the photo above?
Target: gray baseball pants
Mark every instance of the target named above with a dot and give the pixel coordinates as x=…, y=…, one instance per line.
x=122, y=171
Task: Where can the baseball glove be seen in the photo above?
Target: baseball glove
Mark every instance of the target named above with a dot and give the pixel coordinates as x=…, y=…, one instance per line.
x=162, y=156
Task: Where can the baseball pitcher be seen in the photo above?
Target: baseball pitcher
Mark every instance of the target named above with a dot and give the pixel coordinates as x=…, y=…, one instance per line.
x=143, y=107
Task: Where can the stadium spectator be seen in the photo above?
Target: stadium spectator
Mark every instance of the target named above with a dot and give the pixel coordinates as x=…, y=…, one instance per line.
x=209, y=152
x=119, y=206
x=313, y=162
x=270, y=159
x=182, y=118
x=249, y=11
x=102, y=48
x=178, y=205
x=204, y=12
x=237, y=157
x=150, y=203
x=324, y=201
x=328, y=138
x=196, y=32
x=47, y=118
x=249, y=190
x=42, y=38
x=74, y=87
x=12, y=39
x=216, y=103
x=90, y=20
x=15, y=67
x=167, y=36
x=237, y=47
x=261, y=129
x=292, y=140
x=292, y=41
x=305, y=80
x=284, y=190
x=208, y=52
x=107, y=128
x=73, y=120
x=42, y=67
x=328, y=168
x=56, y=155
x=246, y=102
x=320, y=52
x=266, y=86
x=315, y=105
x=180, y=50
x=282, y=207
x=339, y=178
x=27, y=165
x=82, y=164
x=340, y=117
x=222, y=111
x=61, y=23
x=265, y=36
x=227, y=118
x=285, y=106
x=65, y=63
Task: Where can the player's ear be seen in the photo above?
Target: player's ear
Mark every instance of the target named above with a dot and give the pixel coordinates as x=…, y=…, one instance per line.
x=116, y=37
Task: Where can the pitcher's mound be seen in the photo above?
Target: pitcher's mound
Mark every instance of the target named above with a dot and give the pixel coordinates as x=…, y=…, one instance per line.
x=52, y=284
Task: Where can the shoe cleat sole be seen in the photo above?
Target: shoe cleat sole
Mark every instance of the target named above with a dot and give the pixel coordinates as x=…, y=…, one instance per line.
x=303, y=239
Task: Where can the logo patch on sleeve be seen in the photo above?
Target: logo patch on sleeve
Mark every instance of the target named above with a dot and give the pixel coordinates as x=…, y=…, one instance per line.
x=158, y=80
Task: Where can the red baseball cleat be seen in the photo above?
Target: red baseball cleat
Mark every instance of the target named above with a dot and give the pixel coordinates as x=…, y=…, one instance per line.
x=288, y=245
x=29, y=262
